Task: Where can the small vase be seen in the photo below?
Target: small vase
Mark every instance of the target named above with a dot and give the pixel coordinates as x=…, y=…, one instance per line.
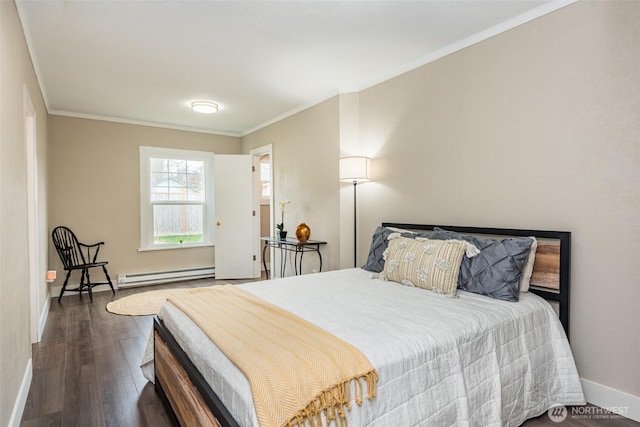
x=303, y=232
x=282, y=235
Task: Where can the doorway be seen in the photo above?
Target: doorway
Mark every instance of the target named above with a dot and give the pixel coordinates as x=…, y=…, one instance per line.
x=263, y=160
x=32, y=217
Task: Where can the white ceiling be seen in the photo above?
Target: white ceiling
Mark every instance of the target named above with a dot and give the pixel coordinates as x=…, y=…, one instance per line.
x=143, y=61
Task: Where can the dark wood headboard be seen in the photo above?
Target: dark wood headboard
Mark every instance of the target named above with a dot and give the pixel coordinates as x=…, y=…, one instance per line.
x=551, y=271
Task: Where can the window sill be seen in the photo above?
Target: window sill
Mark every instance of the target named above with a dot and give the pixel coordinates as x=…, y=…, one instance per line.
x=169, y=248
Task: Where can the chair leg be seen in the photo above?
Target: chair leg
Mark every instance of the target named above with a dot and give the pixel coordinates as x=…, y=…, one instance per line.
x=64, y=285
x=108, y=279
x=86, y=270
x=82, y=284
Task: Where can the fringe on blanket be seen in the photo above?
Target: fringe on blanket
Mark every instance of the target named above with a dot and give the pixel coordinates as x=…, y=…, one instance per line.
x=329, y=405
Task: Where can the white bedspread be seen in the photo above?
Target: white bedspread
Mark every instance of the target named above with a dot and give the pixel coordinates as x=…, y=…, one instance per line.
x=468, y=361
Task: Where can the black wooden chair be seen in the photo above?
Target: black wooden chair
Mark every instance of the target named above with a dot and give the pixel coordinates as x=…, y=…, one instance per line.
x=78, y=256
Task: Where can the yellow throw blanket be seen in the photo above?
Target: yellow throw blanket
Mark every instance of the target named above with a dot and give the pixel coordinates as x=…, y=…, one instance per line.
x=298, y=372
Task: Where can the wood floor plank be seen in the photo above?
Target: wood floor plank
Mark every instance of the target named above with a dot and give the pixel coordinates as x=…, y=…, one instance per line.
x=105, y=326
x=45, y=396
x=47, y=356
x=120, y=402
x=55, y=330
x=83, y=397
x=49, y=420
x=110, y=362
x=79, y=338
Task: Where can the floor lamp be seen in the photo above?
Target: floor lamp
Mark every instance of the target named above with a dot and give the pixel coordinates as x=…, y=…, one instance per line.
x=355, y=169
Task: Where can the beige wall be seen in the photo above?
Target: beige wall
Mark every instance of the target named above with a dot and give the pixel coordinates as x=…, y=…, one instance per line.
x=305, y=171
x=16, y=72
x=94, y=181
x=538, y=127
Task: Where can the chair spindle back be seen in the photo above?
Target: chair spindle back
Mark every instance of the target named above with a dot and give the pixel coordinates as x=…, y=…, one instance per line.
x=68, y=247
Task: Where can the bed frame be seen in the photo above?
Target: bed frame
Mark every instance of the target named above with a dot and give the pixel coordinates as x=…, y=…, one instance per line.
x=551, y=271
x=190, y=401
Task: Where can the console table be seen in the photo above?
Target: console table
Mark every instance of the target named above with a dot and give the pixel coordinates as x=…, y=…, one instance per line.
x=290, y=245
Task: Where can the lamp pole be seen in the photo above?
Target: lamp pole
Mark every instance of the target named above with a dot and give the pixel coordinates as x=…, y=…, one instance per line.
x=355, y=169
x=355, y=234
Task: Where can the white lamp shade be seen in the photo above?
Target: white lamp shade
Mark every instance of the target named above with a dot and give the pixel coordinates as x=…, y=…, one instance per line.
x=357, y=168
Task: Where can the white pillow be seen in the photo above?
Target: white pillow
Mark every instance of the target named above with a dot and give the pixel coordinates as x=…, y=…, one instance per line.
x=527, y=271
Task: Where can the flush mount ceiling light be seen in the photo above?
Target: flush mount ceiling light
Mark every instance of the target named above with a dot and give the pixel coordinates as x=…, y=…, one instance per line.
x=207, y=107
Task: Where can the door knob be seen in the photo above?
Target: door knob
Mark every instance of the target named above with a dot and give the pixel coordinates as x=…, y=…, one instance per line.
x=218, y=223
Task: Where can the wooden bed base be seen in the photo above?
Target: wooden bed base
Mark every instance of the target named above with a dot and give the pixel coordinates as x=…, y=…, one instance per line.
x=187, y=397
x=191, y=402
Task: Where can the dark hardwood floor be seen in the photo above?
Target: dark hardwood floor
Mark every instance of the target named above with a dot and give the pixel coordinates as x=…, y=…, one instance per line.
x=86, y=369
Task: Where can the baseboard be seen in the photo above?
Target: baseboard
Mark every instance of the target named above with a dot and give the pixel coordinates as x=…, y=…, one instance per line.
x=614, y=400
x=21, y=399
x=44, y=315
x=156, y=277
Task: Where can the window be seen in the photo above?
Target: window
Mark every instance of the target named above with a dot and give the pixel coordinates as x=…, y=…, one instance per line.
x=176, y=198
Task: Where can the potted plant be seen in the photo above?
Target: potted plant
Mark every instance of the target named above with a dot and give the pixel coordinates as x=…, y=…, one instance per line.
x=282, y=233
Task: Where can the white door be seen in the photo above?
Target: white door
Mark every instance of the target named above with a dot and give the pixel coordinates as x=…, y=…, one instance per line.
x=236, y=217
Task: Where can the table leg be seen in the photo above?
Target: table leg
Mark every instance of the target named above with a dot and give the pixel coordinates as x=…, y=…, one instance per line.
x=301, y=254
x=283, y=261
x=264, y=259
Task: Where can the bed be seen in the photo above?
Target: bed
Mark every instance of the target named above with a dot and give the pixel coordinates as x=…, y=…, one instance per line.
x=469, y=360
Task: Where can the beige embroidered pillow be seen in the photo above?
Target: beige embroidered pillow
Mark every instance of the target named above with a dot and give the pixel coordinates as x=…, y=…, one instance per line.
x=424, y=263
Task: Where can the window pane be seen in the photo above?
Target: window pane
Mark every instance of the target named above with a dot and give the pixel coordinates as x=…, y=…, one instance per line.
x=176, y=166
x=265, y=172
x=179, y=180
x=195, y=166
x=266, y=189
x=158, y=165
x=172, y=223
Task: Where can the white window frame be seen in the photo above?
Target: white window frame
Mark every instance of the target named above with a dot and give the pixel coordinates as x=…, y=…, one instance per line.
x=146, y=205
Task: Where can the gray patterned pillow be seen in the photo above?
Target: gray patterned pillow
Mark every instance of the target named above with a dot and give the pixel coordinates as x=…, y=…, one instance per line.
x=497, y=270
x=380, y=242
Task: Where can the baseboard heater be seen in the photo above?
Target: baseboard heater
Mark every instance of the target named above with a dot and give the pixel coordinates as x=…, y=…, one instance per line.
x=139, y=279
